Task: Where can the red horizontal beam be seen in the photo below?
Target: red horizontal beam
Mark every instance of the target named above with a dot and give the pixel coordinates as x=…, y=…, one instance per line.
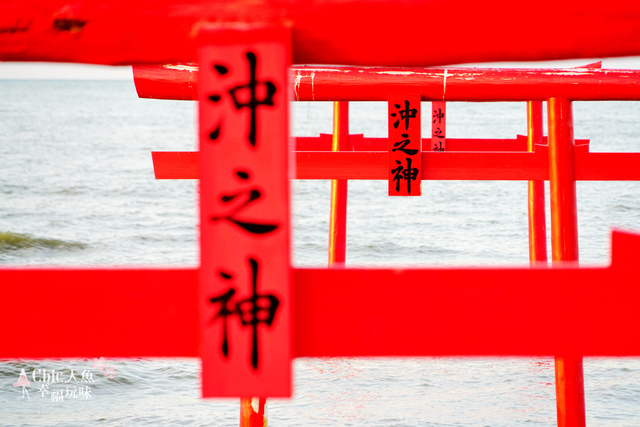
x=519, y=166
x=479, y=312
x=436, y=166
x=324, y=32
x=172, y=81
x=99, y=312
x=183, y=165
x=536, y=311
x=453, y=84
x=338, y=312
x=176, y=164
x=467, y=84
x=358, y=142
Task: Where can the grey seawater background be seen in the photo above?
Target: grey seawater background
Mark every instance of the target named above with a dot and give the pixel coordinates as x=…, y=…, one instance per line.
x=77, y=189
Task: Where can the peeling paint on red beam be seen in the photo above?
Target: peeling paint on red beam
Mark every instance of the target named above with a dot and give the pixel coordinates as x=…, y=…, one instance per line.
x=466, y=84
x=452, y=84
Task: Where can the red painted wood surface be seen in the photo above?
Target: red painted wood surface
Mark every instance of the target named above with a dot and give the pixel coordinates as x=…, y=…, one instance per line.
x=499, y=166
x=340, y=312
x=570, y=404
x=253, y=412
x=535, y=194
x=325, y=31
x=466, y=312
x=245, y=296
x=466, y=84
x=171, y=81
x=99, y=313
x=405, y=145
x=339, y=188
x=439, y=166
x=563, y=167
x=360, y=143
x=451, y=84
x=564, y=243
x=438, y=126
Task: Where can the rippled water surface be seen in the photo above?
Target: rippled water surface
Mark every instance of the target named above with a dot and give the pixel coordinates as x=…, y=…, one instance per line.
x=77, y=188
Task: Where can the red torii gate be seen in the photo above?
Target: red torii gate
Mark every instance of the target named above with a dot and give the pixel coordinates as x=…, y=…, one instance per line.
x=465, y=159
x=108, y=33
x=375, y=84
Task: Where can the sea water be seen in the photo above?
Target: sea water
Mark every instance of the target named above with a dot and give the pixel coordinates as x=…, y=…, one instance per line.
x=77, y=189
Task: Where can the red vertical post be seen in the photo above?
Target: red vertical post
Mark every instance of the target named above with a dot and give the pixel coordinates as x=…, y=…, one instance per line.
x=253, y=412
x=564, y=242
x=537, y=220
x=338, y=222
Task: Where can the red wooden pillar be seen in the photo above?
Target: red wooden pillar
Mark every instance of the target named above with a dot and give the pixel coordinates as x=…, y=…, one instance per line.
x=564, y=243
x=537, y=221
x=253, y=412
x=338, y=222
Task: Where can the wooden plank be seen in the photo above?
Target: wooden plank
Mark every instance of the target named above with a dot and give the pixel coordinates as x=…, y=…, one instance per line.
x=339, y=312
x=437, y=166
x=373, y=165
x=175, y=164
x=500, y=166
x=465, y=312
x=99, y=313
x=520, y=311
x=360, y=143
x=607, y=166
x=434, y=84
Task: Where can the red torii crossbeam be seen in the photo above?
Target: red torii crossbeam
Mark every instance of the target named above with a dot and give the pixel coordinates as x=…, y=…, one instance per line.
x=450, y=84
x=325, y=31
x=448, y=165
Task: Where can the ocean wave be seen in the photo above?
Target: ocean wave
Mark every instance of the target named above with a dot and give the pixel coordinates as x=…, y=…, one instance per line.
x=13, y=241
